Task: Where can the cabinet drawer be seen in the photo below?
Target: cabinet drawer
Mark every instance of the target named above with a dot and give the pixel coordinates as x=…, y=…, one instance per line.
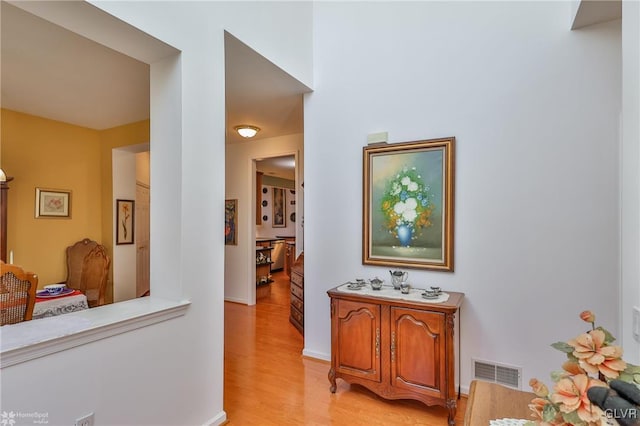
x=297, y=291
x=297, y=279
x=297, y=316
x=297, y=303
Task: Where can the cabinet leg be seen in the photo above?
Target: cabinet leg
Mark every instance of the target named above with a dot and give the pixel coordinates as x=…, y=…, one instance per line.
x=332, y=380
x=451, y=406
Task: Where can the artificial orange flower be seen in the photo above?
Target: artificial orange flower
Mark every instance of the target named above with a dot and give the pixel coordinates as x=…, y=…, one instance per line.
x=571, y=395
x=539, y=388
x=588, y=316
x=572, y=367
x=537, y=406
x=595, y=357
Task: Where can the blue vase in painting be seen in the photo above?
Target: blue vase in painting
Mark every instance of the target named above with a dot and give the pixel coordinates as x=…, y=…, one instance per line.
x=404, y=235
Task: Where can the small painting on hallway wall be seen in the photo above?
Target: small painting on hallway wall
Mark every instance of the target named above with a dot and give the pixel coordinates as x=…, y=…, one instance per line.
x=230, y=222
x=279, y=208
x=124, y=221
x=408, y=204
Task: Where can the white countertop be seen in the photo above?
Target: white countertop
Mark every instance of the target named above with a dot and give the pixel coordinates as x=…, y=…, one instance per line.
x=414, y=295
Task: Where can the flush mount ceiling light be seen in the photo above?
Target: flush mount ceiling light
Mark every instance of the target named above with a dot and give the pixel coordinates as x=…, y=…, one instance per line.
x=247, y=131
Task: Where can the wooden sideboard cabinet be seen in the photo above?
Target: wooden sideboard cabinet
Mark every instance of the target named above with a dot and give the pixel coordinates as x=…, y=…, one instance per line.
x=296, y=313
x=398, y=349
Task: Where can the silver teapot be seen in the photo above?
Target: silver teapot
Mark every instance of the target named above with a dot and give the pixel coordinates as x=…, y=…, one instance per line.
x=398, y=277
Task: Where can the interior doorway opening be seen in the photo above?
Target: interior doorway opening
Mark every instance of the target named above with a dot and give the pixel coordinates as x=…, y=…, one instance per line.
x=276, y=215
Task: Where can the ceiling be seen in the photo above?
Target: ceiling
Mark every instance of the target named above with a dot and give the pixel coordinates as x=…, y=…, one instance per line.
x=54, y=73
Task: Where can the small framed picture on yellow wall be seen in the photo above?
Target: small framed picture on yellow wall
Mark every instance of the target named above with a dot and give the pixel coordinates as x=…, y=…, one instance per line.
x=53, y=203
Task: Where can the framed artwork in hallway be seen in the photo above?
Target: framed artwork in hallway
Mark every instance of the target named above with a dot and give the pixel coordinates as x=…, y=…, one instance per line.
x=230, y=222
x=279, y=208
x=408, y=204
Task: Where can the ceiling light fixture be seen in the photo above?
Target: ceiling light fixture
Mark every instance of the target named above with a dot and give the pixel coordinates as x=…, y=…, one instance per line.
x=247, y=131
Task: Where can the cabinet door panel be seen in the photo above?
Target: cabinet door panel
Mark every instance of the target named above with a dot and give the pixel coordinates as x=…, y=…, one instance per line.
x=358, y=335
x=418, y=351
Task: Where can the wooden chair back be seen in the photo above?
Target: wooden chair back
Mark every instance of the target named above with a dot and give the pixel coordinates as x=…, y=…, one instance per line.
x=88, y=269
x=75, y=259
x=17, y=294
x=95, y=270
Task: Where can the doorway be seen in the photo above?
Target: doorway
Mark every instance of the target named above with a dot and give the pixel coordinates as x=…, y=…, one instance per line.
x=276, y=212
x=263, y=96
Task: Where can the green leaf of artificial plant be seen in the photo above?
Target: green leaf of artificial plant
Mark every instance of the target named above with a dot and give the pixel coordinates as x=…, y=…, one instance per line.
x=563, y=347
x=549, y=413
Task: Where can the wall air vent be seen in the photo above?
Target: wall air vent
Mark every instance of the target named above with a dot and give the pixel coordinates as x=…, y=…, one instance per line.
x=506, y=375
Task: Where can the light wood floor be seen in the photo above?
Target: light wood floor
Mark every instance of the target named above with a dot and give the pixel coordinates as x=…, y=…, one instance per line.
x=269, y=382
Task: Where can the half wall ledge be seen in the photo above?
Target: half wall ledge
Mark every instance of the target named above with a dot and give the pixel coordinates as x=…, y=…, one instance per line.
x=37, y=338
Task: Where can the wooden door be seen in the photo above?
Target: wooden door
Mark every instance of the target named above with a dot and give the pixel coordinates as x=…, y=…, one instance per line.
x=357, y=334
x=418, y=351
x=142, y=239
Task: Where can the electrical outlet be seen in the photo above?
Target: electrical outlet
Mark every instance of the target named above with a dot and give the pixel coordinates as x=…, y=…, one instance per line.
x=636, y=324
x=85, y=420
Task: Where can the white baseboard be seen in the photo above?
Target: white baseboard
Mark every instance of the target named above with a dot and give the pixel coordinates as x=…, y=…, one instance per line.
x=318, y=355
x=217, y=420
x=236, y=300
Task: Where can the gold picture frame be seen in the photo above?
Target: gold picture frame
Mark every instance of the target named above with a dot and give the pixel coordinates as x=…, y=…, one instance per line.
x=408, y=204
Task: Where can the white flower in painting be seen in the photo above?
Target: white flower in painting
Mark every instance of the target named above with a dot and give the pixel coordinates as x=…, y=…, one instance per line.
x=409, y=215
x=406, y=181
x=410, y=204
x=413, y=186
x=395, y=188
x=399, y=207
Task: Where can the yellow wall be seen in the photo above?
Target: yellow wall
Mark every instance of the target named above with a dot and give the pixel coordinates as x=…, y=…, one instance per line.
x=44, y=153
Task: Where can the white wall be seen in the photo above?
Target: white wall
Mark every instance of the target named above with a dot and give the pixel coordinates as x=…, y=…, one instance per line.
x=124, y=255
x=630, y=175
x=239, y=260
x=169, y=373
x=535, y=111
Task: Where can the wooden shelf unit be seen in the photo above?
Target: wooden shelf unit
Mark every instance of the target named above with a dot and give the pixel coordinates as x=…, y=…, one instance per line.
x=296, y=312
x=263, y=271
x=398, y=349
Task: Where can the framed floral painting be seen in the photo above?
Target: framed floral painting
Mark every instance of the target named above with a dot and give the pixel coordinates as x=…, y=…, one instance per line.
x=53, y=203
x=408, y=196
x=124, y=221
